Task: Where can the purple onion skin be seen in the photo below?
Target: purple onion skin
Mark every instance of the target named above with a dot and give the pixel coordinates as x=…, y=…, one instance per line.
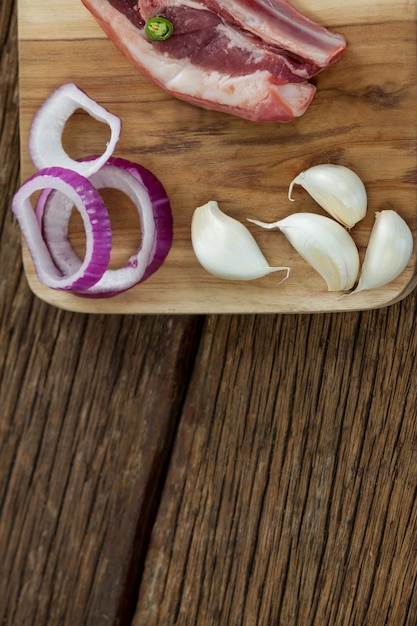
x=162, y=216
x=161, y=210
x=92, y=202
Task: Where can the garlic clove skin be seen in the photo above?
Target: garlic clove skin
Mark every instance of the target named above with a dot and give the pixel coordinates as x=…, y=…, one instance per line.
x=337, y=189
x=324, y=244
x=388, y=252
x=225, y=247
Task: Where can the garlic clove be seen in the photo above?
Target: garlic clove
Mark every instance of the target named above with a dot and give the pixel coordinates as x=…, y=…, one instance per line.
x=225, y=247
x=324, y=244
x=388, y=252
x=337, y=189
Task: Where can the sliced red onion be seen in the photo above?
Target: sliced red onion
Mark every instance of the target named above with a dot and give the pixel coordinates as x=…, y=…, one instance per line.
x=45, y=134
x=161, y=209
x=65, y=182
x=81, y=193
x=53, y=212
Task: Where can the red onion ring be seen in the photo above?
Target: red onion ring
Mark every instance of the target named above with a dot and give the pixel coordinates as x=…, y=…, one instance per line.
x=53, y=212
x=45, y=134
x=65, y=182
x=81, y=193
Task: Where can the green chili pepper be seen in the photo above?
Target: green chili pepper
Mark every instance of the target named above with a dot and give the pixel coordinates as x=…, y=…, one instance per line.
x=158, y=29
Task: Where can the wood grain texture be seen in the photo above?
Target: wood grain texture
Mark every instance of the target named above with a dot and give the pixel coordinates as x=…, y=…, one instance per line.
x=89, y=408
x=363, y=116
x=291, y=495
x=84, y=463
x=219, y=470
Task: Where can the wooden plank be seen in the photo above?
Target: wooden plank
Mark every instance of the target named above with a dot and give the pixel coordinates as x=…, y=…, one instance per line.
x=291, y=490
x=291, y=494
x=363, y=116
x=88, y=412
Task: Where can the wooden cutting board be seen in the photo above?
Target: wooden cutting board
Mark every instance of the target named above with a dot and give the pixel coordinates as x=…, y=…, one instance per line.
x=363, y=116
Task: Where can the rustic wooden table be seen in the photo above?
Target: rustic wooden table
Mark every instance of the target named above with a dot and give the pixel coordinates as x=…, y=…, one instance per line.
x=210, y=470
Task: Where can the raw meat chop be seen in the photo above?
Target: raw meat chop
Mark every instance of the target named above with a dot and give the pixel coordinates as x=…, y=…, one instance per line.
x=250, y=58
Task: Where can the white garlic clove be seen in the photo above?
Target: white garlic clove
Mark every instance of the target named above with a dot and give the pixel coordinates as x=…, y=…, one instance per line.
x=225, y=247
x=324, y=244
x=388, y=252
x=337, y=189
